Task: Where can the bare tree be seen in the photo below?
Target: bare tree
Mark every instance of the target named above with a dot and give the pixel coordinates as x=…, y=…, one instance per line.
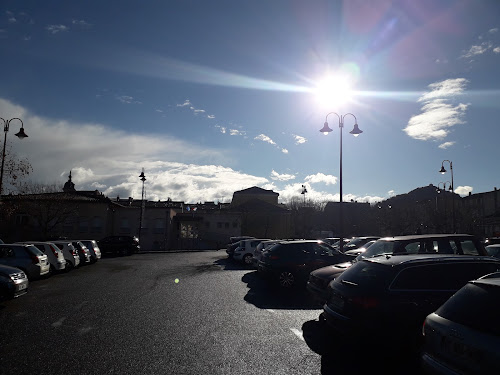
x=16, y=169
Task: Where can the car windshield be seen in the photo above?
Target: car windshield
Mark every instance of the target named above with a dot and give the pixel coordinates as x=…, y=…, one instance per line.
x=34, y=250
x=377, y=248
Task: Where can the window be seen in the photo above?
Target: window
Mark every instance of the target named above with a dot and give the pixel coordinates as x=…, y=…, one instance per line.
x=96, y=225
x=159, y=226
x=83, y=225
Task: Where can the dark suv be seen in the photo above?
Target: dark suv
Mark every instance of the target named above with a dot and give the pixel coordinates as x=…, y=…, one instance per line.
x=290, y=262
x=391, y=295
x=119, y=245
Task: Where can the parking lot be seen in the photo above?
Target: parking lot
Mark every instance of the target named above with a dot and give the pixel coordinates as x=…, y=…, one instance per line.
x=175, y=313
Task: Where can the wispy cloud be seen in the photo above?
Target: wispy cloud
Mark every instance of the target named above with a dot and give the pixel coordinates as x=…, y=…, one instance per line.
x=281, y=177
x=321, y=178
x=127, y=99
x=478, y=49
x=236, y=132
x=210, y=116
x=81, y=23
x=284, y=150
x=438, y=115
x=185, y=104
x=265, y=138
x=446, y=145
x=54, y=29
x=298, y=139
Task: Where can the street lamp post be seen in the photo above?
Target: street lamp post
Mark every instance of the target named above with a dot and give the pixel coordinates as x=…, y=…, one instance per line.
x=21, y=134
x=355, y=131
x=143, y=178
x=452, y=188
x=304, y=191
x=445, y=184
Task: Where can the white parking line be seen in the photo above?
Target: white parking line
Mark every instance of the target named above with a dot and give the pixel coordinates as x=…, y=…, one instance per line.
x=297, y=333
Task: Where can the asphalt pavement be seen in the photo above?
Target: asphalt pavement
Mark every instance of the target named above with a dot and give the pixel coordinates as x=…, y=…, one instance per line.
x=173, y=313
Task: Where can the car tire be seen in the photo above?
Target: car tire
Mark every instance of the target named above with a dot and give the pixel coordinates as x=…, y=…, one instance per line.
x=248, y=259
x=286, y=279
x=69, y=266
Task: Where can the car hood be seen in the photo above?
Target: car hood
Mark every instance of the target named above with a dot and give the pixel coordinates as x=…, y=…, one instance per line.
x=330, y=272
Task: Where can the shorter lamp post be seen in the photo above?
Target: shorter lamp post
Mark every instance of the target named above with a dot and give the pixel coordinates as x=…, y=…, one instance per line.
x=355, y=131
x=21, y=134
x=304, y=191
x=143, y=178
x=444, y=184
x=452, y=189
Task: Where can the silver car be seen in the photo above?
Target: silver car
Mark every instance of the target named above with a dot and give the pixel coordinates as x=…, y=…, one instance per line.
x=55, y=255
x=70, y=254
x=13, y=282
x=25, y=257
x=95, y=252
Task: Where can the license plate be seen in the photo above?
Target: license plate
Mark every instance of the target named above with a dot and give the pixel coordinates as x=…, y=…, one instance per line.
x=21, y=286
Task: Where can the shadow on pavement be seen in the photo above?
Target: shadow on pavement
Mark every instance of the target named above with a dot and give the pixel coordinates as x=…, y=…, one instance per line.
x=232, y=265
x=265, y=294
x=340, y=355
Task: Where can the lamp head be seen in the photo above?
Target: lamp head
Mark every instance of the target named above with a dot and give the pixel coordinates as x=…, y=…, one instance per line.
x=442, y=171
x=21, y=134
x=326, y=129
x=356, y=131
x=142, y=177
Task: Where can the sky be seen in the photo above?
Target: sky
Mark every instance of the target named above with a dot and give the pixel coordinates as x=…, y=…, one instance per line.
x=214, y=96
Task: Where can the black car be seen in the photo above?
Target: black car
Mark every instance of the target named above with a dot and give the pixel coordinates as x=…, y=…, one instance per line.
x=456, y=244
x=390, y=296
x=463, y=335
x=119, y=245
x=290, y=262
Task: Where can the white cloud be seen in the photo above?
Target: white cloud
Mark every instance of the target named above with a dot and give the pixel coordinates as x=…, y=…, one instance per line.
x=54, y=29
x=321, y=178
x=111, y=160
x=210, y=116
x=299, y=140
x=446, y=145
x=265, y=138
x=464, y=190
x=391, y=193
x=281, y=177
x=127, y=99
x=284, y=150
x=496, y=49
x=493, y=31
x=81, y=23
x=236, y=132
x=438, y=115
x=477, y=50
x=185, y=104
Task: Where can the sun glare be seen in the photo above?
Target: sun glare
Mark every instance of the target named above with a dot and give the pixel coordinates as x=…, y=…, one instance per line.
x=334, y=91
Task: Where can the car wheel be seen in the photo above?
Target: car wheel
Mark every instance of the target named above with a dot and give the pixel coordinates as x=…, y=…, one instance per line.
x=247, y=259
x=69, y=266
x=286, y=279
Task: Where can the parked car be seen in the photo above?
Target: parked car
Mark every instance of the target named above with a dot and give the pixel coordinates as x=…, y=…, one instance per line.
x=320, y=278
x=493, y=250
x=330, y=240
x=70, y=254
x=27, y=258
x=13, y=282
x=83, y=252
x=119, y=245
x=290, y=262
x=95, y=252
x=244, y=251
x=492, y=241
x=354, y=244
x=430, y=243
x=259, y=249
x=463, y=335
x=54, y=254
x=390, y=296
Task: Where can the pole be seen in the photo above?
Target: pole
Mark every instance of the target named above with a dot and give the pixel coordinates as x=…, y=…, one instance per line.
x=341, y=203
x=6, y=129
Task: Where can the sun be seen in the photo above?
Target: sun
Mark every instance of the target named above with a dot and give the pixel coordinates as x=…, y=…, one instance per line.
x=333, y=91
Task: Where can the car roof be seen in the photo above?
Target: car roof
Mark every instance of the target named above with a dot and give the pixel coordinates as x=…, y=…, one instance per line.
x=424, y=236
x=302, y=241
x=398, y=259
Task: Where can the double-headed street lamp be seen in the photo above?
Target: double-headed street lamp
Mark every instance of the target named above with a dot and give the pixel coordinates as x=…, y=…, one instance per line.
x=304, y=191
x=452, y=189
x=21, y=134
x=355, y=131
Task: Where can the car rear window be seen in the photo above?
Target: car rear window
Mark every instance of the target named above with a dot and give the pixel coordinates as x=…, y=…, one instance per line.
x=368, y=275
x=472, y=306
x=34, y=250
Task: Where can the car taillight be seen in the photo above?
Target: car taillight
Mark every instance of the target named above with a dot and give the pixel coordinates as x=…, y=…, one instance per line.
x=365, y=302
x=35, y=259
x=274, y=257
